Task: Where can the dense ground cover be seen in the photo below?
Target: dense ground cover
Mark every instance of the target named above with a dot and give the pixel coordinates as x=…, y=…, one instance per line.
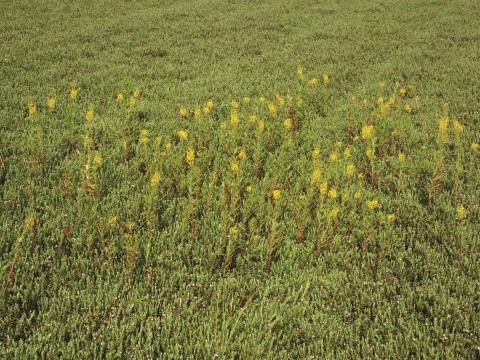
x=174, y=185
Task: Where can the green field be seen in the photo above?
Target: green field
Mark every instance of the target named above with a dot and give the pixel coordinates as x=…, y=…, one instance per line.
x=240, y=179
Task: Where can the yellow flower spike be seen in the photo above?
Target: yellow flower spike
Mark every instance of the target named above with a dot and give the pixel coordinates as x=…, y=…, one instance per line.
x=234, y=167
x=136, y=93
x=316, y=174
x=182, y=134
x=158, y=140
x=168, y=146
x=210, y=104
x=234, y=119
x=323, y=188
x=32, y=109
x=261, y=125
x=51, y=103
x=312, y=82
x=354, y=98
x=332, y=193
x=233, y=231
x=132, y=101
x=300, y=71
x=372, y=204
x=367, y=132
x=89, y=116
x=357, y=195
x=443, y=128
x=334, y=213
x=87, y=141
x=197, y=112
x=370, y=154
x=120, y=97
x=246, y=100
x=461, y=212
x=280, y=100
x=190, y=155
x=380, y=100
x=261, y=99
x=252, y=118
x=350, y=169
x=155, y=178
x=391, y=218
x=457, y=127
x=333, y=156
x=73, y=93
x=97, y=160
x=112, y=220
x=401, y=158
x=223, y=125
x=272, y=109
x=206, y=110
x=144, y=136
x=316, y=153
x=474, y=147
x=234, y=104
x=183, y=111
x=276, y=194
x=402, y=91
x=287, y=124
x=242, y=154
x=249, y=188
x=407, y=108
x=346, y=153
x=326, y=78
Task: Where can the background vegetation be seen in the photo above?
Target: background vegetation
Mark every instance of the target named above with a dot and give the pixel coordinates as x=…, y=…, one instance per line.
x=124, y=236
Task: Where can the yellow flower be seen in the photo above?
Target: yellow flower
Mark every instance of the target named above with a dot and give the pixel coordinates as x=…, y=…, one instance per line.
x=300, y=71
x=136, y=93
x=89, y=116
x=112, y=220
x=326, y=78
x=234, y=120
x=87, y=141
x=32, y=109
x=252, y=118
x=333, y=156
x=350, y=170
x=354, y=98
x=182, y=134
x=403, y=91
x=272, y=109
x=210, y=104
x=367, y=132
x=316, y=174
x=357, y=195
x=73, y=93
x=401, y=157
x=242, y=154
x=370, y=154
x=51, y=103
x=276, y=194
x=206, y=110
x=457, y=127
x=287, y=124
x=346, y=153
x=144, y=136
x=380, y=100
x=372, y=204
x=190, y=155
x=391, y=100
x=234, y=104
x=223, y=125
x=233, y=230
x=443, y=128
x=158, y=140
x=474, y=147
x=407, y=108
x=323, y=188
x=261, y=99
x=332, y=193
x=234, y=167
x=249, y=188
x=261, y=125
x=197, y=112
x=316, y=153
x=365, y=102
x=183, y=111
x=334, y=213
x=97, y=160
x=246, y=100
x=120, y=97
x=313, y=82
x=155, y=178
x=391, y=218
x=461, y=212
x=132, y=101
x=168, y=146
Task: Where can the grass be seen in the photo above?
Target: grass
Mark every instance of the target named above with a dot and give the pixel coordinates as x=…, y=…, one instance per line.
x=309, y=236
